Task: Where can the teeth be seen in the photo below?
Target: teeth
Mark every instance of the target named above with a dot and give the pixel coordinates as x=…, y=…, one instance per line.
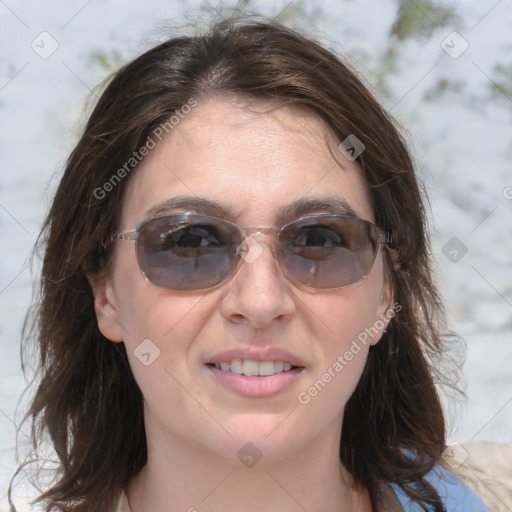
x=236, y=366
x=278, y=366
x=266, y=368
x=251, y=367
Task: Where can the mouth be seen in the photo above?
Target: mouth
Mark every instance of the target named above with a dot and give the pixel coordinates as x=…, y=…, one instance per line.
x=256, y=379
x=251, y=367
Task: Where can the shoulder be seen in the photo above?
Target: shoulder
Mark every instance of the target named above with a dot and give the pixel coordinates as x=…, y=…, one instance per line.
x=455, y=495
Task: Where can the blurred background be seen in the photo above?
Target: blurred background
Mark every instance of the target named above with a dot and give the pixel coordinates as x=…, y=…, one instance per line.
x=442, y=68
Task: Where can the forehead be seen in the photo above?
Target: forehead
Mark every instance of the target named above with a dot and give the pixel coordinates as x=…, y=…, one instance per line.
x=252, y=158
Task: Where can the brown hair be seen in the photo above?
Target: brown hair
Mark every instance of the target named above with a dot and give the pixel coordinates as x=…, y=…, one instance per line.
x=87, y=400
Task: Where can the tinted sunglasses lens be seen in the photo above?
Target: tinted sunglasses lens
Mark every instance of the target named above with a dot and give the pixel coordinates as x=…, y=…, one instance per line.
x=187, y=253
x=329, y=251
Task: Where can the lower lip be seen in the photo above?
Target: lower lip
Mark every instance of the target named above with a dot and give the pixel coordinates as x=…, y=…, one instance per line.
x=255, y=385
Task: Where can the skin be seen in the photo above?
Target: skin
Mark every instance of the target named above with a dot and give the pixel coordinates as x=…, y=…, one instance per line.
x=254, y=159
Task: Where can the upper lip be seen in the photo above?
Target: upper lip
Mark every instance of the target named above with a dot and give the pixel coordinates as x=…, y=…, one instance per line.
x=256, y=354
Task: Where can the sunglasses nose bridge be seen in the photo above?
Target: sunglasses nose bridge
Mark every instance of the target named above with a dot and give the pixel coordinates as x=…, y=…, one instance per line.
x=252, y=243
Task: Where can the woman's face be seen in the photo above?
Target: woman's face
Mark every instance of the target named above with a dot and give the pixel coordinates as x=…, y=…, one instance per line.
x=253, y=161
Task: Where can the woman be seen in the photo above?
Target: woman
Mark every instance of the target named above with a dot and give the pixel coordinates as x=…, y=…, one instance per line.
x=237, y=310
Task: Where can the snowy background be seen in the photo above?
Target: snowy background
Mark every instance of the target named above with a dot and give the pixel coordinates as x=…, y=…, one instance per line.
x=452, y=91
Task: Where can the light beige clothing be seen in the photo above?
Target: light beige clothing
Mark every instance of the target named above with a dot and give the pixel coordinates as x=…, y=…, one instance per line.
x=123, y=505
x=486, y=468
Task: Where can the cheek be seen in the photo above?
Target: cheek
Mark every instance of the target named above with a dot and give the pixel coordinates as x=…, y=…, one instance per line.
x=160, y=348
x=346, y=322
x=342, y=360
x=348, y=341
x=157, y=325
x=351, y=313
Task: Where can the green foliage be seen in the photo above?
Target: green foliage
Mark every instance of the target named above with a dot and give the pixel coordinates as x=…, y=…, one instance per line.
x=420, y=17
x=386, y=67
x=443, y=86
x=107, y=63
x=291, y=13
x=503, y=81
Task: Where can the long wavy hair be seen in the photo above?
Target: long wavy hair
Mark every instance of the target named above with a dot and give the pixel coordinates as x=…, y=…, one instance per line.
x=86, y=401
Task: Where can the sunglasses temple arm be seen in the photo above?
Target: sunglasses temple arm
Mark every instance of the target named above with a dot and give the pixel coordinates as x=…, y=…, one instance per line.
x=131, y=235
x=386, y=238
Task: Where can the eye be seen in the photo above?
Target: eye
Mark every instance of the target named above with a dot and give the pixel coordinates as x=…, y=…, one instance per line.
x=317, y=243
x=319, y=236
x=182, y=239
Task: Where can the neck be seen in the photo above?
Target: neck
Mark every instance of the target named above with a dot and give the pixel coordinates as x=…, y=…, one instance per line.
x=181, y=477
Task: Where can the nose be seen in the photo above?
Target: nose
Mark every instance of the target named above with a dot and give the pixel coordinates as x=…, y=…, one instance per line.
x=258, y=294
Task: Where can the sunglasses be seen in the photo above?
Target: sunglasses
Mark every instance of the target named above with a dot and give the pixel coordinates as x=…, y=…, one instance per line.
x=195, y=252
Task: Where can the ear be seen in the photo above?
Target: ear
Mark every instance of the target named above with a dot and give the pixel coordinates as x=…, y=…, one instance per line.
x=385, y=311
x=105, y=306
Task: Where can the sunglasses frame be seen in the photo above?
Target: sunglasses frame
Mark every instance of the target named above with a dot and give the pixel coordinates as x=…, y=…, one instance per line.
x=383, y=241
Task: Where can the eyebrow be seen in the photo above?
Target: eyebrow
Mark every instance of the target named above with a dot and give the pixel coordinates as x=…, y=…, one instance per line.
x=303, y=206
